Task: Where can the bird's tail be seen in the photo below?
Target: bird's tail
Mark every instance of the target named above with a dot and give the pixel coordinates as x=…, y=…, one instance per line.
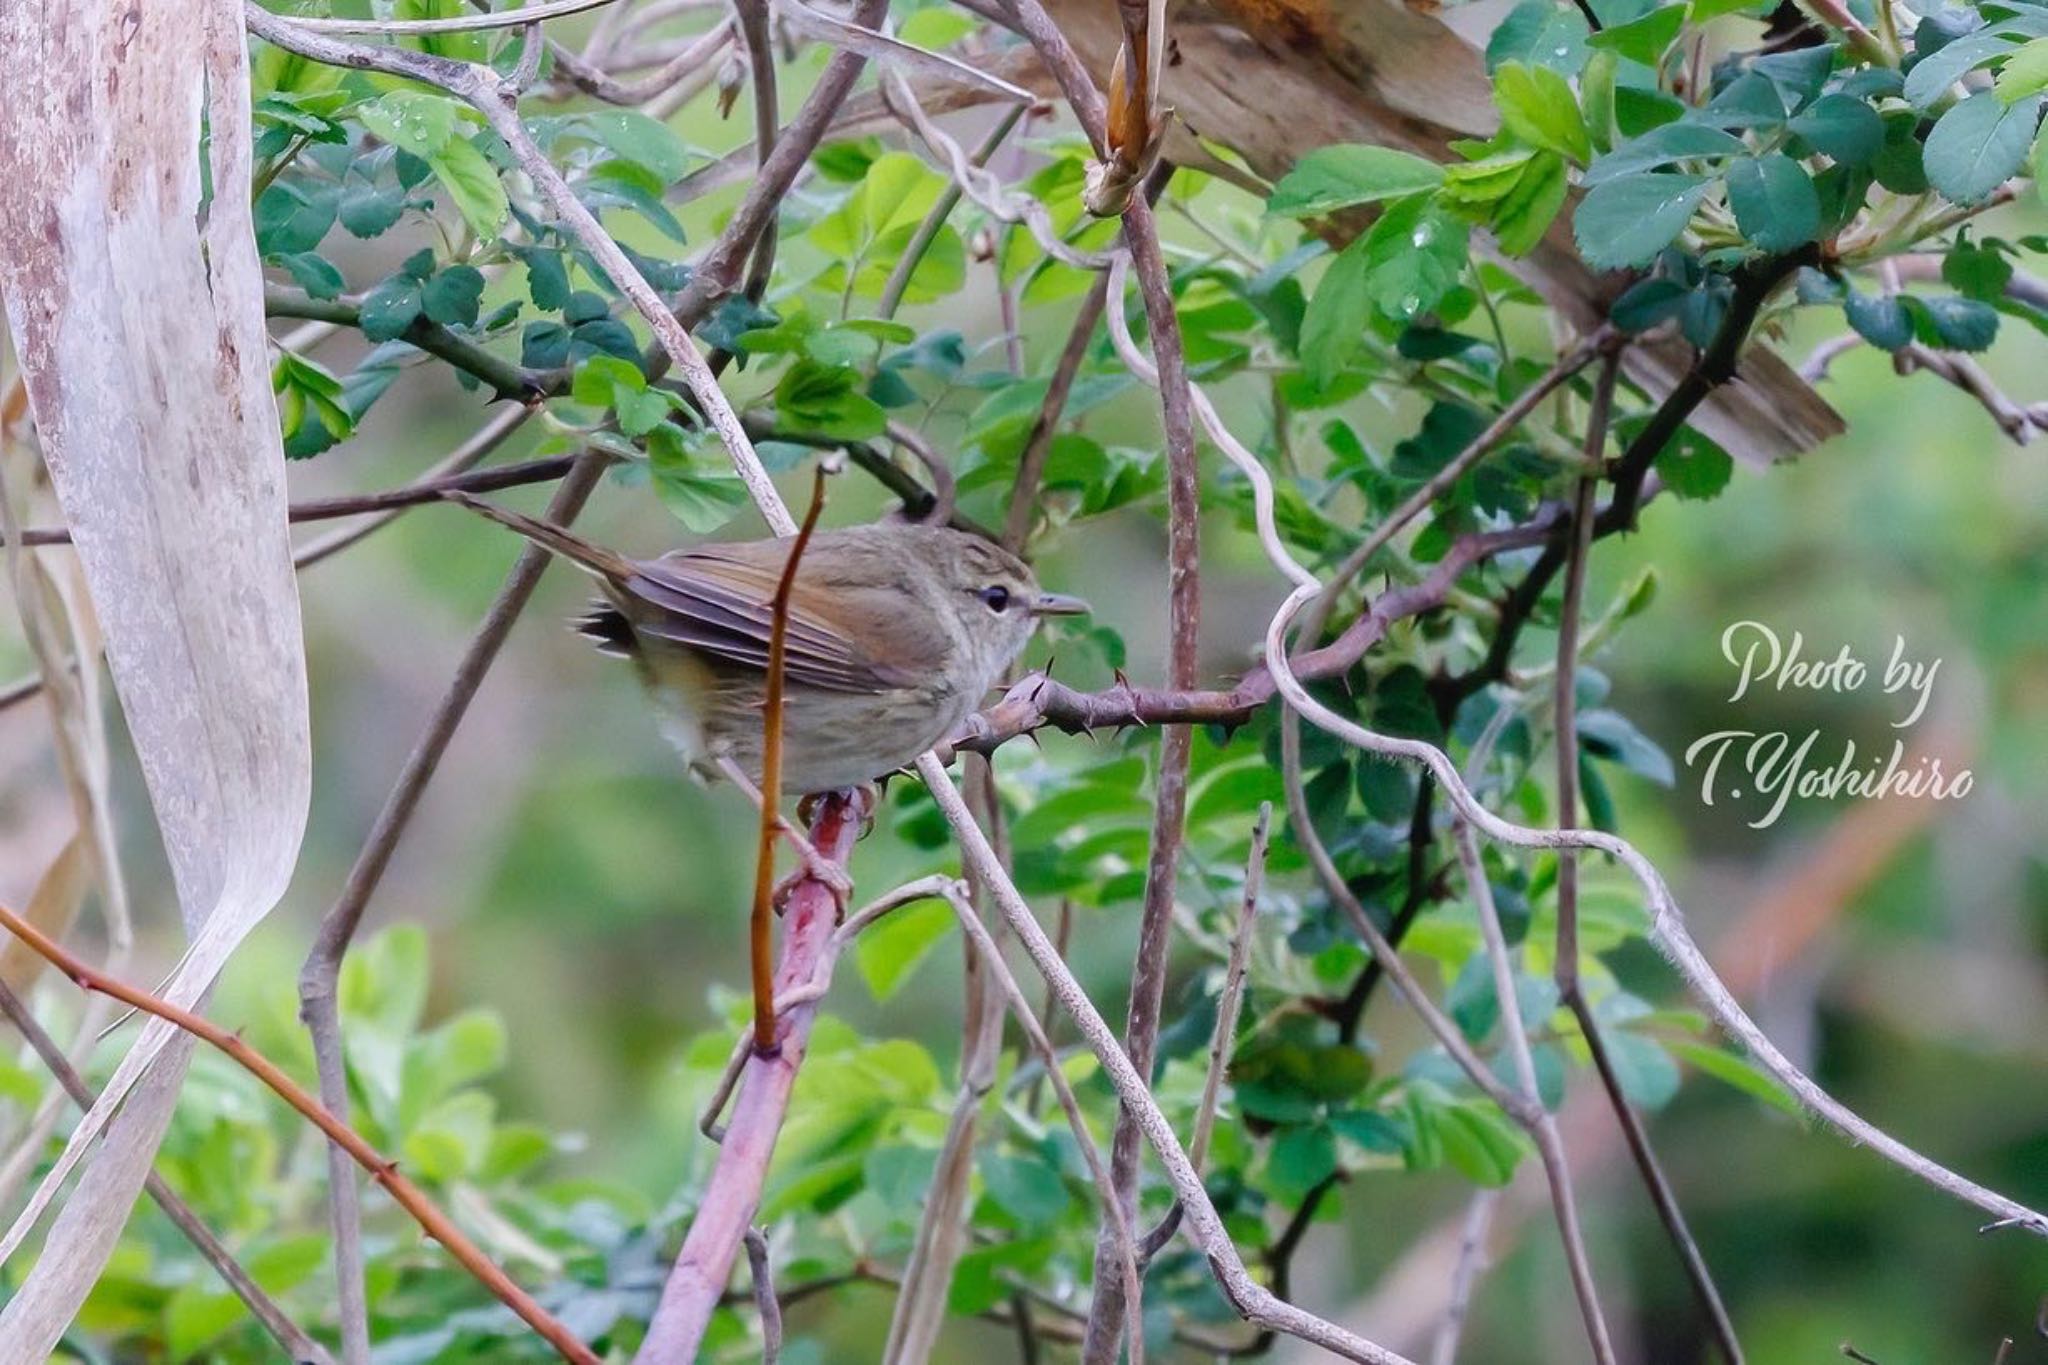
x=574, y=548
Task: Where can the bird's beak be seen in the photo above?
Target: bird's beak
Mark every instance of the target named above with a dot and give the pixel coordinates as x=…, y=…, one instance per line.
x=1058, y=604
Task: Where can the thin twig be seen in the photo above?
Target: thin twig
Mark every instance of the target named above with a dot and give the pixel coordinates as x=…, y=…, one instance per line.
x=761, y=924
x=697, y=55
x=459, y=23
x=1542, y=1127
x=1031, y=463
x=1251, y=1300
x=1170, y=791
x=433, y=487
x=507, y=378
x=382, y=1169
x=455, y=465
x=935, y=217
x=1570, y=984
x=764, y=1297
x=320, y=976
x=1223, y=1039
x=1126, y=1258
x=1471, y=1261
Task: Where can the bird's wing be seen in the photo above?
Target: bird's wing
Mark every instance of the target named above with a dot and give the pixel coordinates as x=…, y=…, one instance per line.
x=718, y=600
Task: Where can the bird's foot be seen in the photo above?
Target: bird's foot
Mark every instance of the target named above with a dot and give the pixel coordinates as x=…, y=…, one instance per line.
x=862, y=802
x=814, y=866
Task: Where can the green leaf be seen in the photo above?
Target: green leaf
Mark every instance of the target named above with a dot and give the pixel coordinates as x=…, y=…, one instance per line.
x=1332, y=178
x=1612, y=736
x=1959, y=324
x=1693, y=467
x=547, y=278
x=1980, y=144
x=1643, y=40
x=640, y=140
x=1301, y=1159
x=1537, y=105
x=1843, y=128
x=2025, y=72
x=892, y=949
x=1539, y=32
x=384, y=981
x=1977, y=272
x=367, y=211
x=1627, y=221
x=641, y=413
x=282, y=1265
x=472, y=182
x=827, y=400
x=288, y=219
x=1333, y=327
x=315, y=274
x=196, y=1317
x=1479, y=1143
x=895, y=193
x=1899, y=166
x=1647, y=1074
x=1774, y=201
x=1029, y=1191
x=1931, y=76
x=1526, y=212
x=390, y=308
x=413, y=121
x=1739, y=1072
x=701, y=498
x=1661, y=146
x=1374, y=1132
x=1880, y=319
x=1798, y=73
x=602, y=379
x=451, y=297
x=1415, y=255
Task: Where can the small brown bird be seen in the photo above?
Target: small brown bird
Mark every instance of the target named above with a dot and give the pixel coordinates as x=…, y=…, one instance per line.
x=895, y=634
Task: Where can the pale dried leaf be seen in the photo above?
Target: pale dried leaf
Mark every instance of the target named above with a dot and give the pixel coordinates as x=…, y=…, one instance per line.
x=51, y=909
x=137, y=315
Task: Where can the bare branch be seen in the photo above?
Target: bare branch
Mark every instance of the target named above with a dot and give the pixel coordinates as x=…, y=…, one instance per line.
x=764, y=1297
x=1251, y=1299
x=1224, y=1038
x=1570, y=986
x=459, y=23
x=320, y=976
x=1031, y=463
x=1542, y=1127
x=1471, y=1261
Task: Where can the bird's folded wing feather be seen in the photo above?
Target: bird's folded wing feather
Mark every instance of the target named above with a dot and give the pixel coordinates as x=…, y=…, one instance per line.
x=719, y=601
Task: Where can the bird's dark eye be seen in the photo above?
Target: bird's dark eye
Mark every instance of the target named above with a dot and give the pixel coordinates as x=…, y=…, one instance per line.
x=997, y=597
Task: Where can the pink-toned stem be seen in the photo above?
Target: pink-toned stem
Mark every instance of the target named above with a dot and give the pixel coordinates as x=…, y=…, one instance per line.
x=733, y=1192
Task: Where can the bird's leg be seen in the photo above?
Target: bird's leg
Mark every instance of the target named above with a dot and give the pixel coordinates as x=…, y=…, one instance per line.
x=815, y=865
x=865, y=799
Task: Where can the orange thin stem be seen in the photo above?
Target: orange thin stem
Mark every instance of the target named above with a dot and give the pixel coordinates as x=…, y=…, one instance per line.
x=384, y=1171
x=762, y=926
